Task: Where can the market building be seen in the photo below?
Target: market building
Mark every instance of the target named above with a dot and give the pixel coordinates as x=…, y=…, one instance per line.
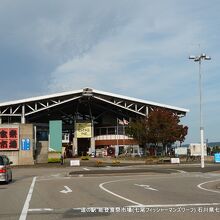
x=85, y=121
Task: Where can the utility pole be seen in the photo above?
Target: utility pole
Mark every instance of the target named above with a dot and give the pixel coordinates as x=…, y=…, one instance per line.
x=199, y=59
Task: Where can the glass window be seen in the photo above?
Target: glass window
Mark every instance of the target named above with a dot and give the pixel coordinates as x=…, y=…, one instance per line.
x=103, y=131
x=1, y=161
x=42, y=135
x=6, y=160
x=111, y=130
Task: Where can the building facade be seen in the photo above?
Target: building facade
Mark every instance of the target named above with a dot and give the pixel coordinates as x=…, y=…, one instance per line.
x=81, y=122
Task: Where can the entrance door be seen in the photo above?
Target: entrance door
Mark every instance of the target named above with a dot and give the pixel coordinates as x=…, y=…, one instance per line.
x=83, y=146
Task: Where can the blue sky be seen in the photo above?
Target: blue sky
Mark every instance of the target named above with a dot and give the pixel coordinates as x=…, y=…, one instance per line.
x=136, y=48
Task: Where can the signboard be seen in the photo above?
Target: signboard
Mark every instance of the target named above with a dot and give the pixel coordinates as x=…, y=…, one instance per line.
x=9, y=137
x=181, y=151
x=217, y=158
x=83, y=130
x=74, y=162
x=175, y=160
x=25, y=144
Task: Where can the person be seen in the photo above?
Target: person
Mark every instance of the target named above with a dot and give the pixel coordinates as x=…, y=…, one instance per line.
x=70, y=153
x=62, y=159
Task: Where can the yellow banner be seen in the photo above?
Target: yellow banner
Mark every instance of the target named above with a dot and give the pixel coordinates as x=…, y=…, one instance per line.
x=83, y=130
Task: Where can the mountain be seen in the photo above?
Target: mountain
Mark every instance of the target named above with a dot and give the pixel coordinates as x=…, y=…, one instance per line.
x=210, y=144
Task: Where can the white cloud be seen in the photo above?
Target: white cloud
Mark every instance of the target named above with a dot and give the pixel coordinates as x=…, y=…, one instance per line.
x=137, y=48
x=139, y=52
x=147, y=57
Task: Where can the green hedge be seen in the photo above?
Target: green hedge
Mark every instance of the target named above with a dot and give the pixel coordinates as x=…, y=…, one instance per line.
x=54, y=160
x=85, y=158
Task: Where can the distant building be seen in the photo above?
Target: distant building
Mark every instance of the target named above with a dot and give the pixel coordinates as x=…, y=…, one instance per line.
x=195, y=149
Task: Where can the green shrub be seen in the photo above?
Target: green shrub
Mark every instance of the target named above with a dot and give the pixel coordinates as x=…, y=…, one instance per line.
x=85, y=158
x=54, y=160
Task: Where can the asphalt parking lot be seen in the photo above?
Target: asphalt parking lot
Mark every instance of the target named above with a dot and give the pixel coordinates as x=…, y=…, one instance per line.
x=151, y=192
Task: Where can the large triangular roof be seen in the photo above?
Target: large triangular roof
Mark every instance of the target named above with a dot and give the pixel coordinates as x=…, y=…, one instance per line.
x=36, y=104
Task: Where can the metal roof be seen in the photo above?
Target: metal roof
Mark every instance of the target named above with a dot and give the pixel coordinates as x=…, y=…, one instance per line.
x=39, y=98
x=75, y=92
x=67, y=104
x=142, y=101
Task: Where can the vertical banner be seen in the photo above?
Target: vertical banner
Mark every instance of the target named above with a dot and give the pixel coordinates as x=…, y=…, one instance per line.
x=83, y=130
x=55, y=130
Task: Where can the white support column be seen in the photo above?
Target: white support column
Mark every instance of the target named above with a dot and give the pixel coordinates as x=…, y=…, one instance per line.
x=92, y=145
x=0, y=119
x=92, y=141
x=147, y=111
x=202, y=147
x=116, y=150
x=75, y=146
x=75, y=142
x=23, y=114
x=35, y=139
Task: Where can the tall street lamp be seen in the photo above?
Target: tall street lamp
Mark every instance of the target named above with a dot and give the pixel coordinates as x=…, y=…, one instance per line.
x=199, y=59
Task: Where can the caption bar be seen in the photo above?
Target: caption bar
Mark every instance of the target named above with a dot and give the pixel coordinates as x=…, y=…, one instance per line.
x=150, y=210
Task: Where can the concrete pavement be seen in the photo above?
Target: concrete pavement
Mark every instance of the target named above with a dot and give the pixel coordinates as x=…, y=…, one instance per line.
x=156, y=194
x=137, y=169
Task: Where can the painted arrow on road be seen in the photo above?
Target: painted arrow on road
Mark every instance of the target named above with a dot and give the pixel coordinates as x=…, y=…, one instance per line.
x=146, y=187
x=66, y=190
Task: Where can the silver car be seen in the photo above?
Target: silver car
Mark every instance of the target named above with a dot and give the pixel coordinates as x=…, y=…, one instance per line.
x=5, y=169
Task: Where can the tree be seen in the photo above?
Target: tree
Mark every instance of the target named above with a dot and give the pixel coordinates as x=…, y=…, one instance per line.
x=138, y=130
x=161, y=126
x=164, y=127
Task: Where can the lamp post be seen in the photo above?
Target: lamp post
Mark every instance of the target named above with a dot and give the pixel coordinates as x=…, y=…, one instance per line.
x=199, y=59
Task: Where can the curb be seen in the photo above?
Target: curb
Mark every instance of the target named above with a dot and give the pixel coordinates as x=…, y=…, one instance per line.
x=133, y=171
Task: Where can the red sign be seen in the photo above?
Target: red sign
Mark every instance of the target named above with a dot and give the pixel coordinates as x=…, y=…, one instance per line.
x=9, y=139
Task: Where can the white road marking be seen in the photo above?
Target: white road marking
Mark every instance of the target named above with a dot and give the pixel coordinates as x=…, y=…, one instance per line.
x=114, y=194
x=56, y=175
x=210, y=190
x=86, y=169
x=40, y=210
x=146, y=187
x=173, y=169
x=178, y=205
x=180, y=171
x=66, y=190
x=52, y=178
x=24, y=212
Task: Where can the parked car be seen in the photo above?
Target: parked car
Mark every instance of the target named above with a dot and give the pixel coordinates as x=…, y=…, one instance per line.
x=5, y=169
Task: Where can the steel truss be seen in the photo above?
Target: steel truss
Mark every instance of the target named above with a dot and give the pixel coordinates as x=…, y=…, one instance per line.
x=26, y=107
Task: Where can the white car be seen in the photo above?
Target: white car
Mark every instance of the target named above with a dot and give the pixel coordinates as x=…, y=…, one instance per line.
x=5, y=169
